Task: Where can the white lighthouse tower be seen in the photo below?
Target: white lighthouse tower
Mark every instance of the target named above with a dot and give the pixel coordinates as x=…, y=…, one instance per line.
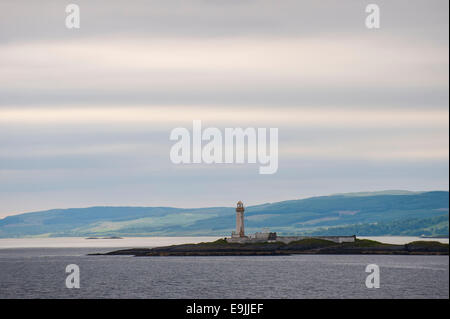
x=239, y=221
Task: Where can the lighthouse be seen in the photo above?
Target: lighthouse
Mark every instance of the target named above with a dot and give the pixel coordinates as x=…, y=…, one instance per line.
x=240, y=220
x=238, y=236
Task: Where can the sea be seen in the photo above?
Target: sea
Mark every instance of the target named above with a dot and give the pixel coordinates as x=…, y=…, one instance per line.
x=36, y=268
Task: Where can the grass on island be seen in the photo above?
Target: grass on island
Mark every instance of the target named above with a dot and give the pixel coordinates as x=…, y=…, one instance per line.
x=423, y=243
x=303, y=242
x=309, y=242
x=366, y=243
x=220, y=241
x=312, y=243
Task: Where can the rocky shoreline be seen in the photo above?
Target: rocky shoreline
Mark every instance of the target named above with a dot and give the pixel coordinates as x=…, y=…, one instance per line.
x=306, y=246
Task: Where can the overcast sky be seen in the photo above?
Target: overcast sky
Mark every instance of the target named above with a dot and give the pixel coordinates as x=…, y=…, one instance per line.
x=85, y=114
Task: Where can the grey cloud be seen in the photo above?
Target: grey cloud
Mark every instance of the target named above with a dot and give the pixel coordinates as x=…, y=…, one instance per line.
x=44, y=19
x=222, y=96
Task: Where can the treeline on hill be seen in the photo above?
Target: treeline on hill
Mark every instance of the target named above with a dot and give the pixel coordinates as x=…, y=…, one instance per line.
x=433, y=226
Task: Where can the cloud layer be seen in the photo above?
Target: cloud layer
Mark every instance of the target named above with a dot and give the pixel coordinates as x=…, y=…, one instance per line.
x=85, y=115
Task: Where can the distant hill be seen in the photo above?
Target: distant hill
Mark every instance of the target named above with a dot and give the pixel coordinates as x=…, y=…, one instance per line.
x=378, y=213
x=387, y=192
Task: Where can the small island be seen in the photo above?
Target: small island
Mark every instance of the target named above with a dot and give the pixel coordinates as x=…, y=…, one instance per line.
x=222, y=247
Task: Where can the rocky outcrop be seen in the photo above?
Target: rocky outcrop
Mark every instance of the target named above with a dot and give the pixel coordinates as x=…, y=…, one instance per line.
x=307, y=246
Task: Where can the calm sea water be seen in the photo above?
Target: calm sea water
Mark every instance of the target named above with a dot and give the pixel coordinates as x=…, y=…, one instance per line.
x=40, y=273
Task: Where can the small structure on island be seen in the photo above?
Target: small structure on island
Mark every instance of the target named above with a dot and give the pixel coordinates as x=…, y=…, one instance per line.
x=239, y=236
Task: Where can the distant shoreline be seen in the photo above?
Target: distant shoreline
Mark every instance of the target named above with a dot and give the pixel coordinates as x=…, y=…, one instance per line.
x=370, y=213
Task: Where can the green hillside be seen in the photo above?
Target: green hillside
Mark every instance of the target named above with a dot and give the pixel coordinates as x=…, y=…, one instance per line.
x=371, y=214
